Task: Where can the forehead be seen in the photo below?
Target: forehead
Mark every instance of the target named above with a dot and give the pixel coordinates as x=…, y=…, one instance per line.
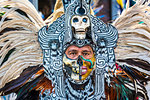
x=84, y=48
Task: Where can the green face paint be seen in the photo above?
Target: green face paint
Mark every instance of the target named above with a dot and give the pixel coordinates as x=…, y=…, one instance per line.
x=88, y=60
x=75, y=70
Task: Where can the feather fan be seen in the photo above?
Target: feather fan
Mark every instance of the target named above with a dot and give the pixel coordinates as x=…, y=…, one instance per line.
x=134, y=36
x=21, y=56
x=133, y=49
x=19, y=47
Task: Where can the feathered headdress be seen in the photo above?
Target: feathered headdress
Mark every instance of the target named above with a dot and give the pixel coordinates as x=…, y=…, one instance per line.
x=21, y=69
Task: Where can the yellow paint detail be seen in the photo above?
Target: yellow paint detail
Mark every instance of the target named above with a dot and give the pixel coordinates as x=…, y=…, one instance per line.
x=120, y=2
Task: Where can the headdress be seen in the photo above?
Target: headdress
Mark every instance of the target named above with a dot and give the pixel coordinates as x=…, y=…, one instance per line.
x=62, y=32
x=21, y=65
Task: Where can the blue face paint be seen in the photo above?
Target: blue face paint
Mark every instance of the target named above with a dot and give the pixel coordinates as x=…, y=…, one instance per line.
x=88, y=60
x=71, y=66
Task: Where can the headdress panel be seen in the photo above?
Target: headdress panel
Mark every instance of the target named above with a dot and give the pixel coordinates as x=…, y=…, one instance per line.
x=77, y=27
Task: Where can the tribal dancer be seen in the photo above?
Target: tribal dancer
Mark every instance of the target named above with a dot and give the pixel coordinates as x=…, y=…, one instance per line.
x=73, y=57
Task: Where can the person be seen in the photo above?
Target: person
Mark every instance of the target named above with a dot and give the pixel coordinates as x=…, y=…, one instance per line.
x=79, y=62
x=76, y=61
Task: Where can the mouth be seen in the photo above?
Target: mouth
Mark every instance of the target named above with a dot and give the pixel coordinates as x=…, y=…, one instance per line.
x=83, y=70
x=80, y=30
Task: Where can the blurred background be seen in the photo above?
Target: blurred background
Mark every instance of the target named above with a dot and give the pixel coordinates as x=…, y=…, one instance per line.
x=106, y=10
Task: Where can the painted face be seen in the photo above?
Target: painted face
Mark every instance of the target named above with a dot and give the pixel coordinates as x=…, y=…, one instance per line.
x=79, y=62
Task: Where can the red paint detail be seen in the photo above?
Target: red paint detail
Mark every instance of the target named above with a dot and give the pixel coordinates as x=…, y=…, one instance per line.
x=118, y=67
x=84, y=68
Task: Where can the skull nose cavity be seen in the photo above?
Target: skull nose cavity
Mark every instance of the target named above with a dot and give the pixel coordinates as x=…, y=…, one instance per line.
x=79, y=61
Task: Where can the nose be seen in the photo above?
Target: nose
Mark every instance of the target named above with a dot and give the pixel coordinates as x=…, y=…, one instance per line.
x=80, y=23
x=79, y=61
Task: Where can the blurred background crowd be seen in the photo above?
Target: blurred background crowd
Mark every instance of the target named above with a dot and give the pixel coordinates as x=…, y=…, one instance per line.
x=106, y=10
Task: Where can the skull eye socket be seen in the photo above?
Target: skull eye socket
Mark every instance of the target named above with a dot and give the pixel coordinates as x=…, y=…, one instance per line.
x=75, y=20
x=84, y=20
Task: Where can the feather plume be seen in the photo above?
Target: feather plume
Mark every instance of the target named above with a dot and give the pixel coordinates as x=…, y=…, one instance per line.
x=133, y=47
x=127, y=84
x=28, y=75
x=19, y=50
x=134, y=33
x=19, y=47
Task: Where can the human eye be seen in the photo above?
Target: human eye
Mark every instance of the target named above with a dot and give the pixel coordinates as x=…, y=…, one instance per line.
x=85, y=54
x=72, y=53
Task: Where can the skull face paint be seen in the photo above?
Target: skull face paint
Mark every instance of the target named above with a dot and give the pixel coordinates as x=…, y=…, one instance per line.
x=79, y=62
x=80, y=25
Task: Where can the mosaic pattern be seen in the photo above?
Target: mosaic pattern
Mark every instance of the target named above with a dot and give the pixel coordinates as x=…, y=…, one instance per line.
x=57, y=37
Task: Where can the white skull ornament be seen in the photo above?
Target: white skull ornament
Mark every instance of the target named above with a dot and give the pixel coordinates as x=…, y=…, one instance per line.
x=80, y=25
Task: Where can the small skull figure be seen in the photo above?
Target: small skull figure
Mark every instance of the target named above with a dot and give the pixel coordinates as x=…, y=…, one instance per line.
x=80, y=25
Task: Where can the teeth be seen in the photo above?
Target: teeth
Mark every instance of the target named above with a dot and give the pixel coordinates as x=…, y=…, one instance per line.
x=80, y=29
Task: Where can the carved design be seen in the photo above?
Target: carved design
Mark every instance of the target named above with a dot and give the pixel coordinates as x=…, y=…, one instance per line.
x=74, y=9
x=67, y=3
x=103, y=34
x=58, y=36
x=80, y=43
x=105, y=37
x=77, y=94
x=51, y=41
